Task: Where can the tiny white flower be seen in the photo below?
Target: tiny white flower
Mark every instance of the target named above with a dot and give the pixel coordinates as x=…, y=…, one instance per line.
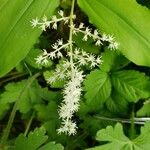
x=113, y=45
x=59, y=55
x=110, y=38
x=61, y=13
x=52, y=55
x=54, y=18
x=39, y=59
x=81, y=25
x=60, y=42
x=96, y=33
x=34, y=22
x=55, y=46
x=54, y=26
x=85, y=38
x=104, y=37
x=88, y=31
x=44, y=18
x=43, y=27
x=98, y=43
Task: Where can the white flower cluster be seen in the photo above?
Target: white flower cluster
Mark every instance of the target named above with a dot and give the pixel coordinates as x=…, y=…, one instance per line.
x=70, y=104
x=96, y=36
x=61, y=72
x=83, y=58
x=69, y=69
x=45, y=23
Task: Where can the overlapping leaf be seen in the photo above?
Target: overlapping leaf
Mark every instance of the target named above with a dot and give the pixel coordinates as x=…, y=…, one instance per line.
x=127, y=21
x=16, y=34
x=34, y=141
x=97, y=87
x=131, y=84
x=118, y=141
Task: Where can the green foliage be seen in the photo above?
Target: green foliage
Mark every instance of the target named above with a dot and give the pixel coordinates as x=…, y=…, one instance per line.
x=114, y=86
x=12, y=92
x=122, y=20
x=31, y=96
x=131, y=84
x=16, y=34
x=109, y=91
x=58, y=83
x=117, y=140
x=145, y=110
x=30, y=59
x=112, y=61
x=97, y=87
x=35, y=141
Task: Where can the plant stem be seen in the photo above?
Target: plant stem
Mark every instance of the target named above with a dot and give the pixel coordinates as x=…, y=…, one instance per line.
x=132, y=127
x=70, y=38
x=136, y=121
x=29, y=124
x=12, y=78
x=13, y=113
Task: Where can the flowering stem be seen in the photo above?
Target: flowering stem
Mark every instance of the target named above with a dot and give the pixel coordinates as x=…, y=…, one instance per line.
x=70, y=38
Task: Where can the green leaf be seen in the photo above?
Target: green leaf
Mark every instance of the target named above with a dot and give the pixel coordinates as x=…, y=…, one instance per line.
x=16, y=34
x=130, y=84
x=87, y=46
x=122, y=20
x=30, y=96
x=112, y=61
x=52, y=146
x=97, y=87
x=34, y=141
x=30, y=59
x=145, y=110
x=48, y=115
x=116, y=138
x=116, y=103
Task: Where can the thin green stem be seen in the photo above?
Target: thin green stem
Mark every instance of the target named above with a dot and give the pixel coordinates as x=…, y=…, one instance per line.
x=70, y=38
x=132, y=127
x=13, y=113
x=12, y=78
x=29, y=124
x=136, y=121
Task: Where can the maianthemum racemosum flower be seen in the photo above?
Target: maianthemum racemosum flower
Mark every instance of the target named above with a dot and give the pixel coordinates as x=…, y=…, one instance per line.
x=69, y=70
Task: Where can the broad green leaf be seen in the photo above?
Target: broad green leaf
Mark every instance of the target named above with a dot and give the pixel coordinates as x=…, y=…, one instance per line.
x=87, y=46
x=16, y=34
x=97, y=87
x=127, y=21
x=112, y=60
x=116, y=103
x=118, y=141
x=130, y=84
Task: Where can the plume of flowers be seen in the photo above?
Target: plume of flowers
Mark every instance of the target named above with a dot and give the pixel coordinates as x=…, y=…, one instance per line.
x=70, y=68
